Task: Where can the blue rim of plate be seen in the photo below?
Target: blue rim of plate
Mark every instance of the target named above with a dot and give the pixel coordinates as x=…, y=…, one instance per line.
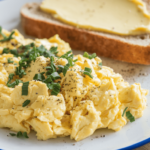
x=136, y=145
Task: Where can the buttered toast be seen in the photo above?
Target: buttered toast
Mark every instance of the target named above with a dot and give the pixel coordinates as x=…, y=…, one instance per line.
x=132, y=49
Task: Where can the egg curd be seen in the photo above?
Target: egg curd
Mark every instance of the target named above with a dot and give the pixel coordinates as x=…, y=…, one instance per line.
x=45, y=88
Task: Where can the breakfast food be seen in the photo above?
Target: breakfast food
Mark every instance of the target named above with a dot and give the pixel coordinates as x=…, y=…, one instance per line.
x=45, y=88
x=97, y=15
x=118, y=29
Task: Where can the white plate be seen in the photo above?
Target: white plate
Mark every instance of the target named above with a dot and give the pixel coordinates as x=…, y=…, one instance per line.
x=131, y=136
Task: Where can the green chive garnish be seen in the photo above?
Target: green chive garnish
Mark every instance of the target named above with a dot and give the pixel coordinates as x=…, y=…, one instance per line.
x=25, y=88
x=130, y=116
x=27, y=102
x=124, y=111
x=89, y=56
x=9, y=60
x=88, y=71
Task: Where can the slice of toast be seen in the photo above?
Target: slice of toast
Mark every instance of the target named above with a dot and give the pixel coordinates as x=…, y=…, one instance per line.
x=133, y=49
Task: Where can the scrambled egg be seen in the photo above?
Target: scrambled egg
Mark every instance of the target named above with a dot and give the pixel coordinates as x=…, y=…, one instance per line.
x=82, y=105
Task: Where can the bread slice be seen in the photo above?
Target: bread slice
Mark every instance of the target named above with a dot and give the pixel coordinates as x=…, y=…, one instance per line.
x=132, y=49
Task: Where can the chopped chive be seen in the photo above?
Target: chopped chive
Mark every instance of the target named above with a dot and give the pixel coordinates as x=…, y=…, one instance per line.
x=27, y=102
x=19, y=71
x=130, y=116
x=5, y=38
x=89, y=56
x=39, y=76
x=10, y=77
x=5, y=51
x=70, y=61
x=48, y=79
x=86, y=55
x=100, y=65
x=75, y=60
x=9, y=60
x=60, y=68
x=66, y=67
x=55, y=87
x=55, y=76
x=54, y=50
x=88, y=71
x=25, y=135
x=25, y=88
x=124, y=111
x=13, y=84
x=19, y=134
x=14, y=52
x=12, y=134
x=67, y=55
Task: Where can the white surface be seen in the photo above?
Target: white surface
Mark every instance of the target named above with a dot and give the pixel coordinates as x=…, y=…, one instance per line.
x=132, y=133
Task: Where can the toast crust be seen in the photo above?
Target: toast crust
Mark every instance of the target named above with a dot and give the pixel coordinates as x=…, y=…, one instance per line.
x=84, y=40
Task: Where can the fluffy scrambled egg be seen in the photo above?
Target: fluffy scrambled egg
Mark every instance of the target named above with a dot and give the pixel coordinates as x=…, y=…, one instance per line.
x=82, y=105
